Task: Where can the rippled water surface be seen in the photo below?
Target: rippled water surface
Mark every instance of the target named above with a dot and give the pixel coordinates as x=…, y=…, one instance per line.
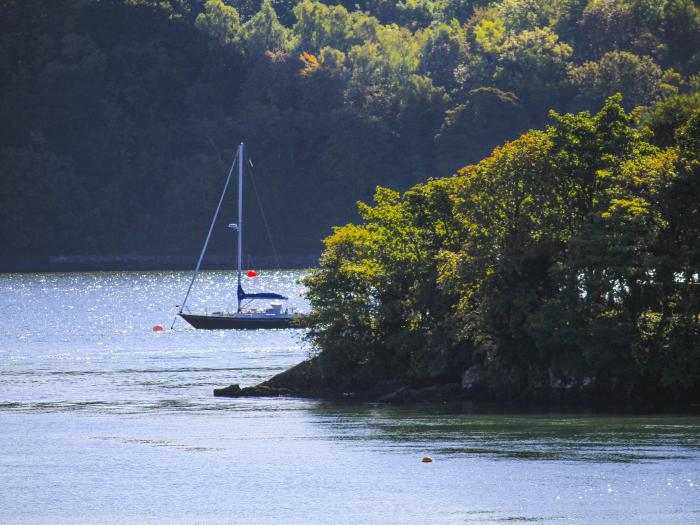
x=104, y=421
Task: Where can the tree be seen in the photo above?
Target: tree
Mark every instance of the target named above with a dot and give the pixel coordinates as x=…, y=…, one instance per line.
x=382, y=66
x=532, y=64
x=611, y=26
x=639, y=79
x=319, y=25
x=490, y=34
x=546, y=264
x=376, y=290
x=264, y=32
x=220, y=21
x=681, y=29
x=459, y=10
x=669, y=115
x=324, y=80
x=526, y=15
x=443, y=51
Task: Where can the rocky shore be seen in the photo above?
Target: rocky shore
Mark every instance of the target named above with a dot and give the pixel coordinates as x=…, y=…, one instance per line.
x=307, y=380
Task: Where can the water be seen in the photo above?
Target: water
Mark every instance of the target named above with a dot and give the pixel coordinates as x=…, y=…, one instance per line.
x=104, y=421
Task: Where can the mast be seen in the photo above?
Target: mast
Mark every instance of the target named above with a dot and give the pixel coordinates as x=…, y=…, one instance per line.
x=240, y=218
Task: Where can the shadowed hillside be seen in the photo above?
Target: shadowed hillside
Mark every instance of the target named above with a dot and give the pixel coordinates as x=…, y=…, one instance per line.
x=120, y=117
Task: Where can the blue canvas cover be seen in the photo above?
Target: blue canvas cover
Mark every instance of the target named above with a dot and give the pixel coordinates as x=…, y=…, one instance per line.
x=264, y=295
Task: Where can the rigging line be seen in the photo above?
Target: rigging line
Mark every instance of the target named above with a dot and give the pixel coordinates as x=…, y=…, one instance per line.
x=262, y=212
x=217, y=151
x=206, y=242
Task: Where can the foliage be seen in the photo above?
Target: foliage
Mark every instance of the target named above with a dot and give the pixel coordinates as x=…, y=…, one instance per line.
x=220, y=21
x=638, y=78
x=533, y=64
x=489, y=34
x=568, y=258
x=264, y=32
x=141, y=103
x=376, y=304
x=668, y=116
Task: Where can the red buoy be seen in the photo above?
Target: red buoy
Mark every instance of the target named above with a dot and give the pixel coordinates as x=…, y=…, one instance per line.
x=251, y=273
x=157, y=328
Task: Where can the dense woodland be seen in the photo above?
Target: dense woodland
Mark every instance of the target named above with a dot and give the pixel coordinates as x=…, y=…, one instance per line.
x=566, y=263
x=120, y=117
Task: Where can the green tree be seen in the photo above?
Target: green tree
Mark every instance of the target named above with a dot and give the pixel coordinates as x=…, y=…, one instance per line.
x=532, y=64
x=444, y=50
x=490, y=34
x=319, y=25
x=324, y=80
x=639, y=79
x=681, y=30
x=545, y=264
x=264, y=32
x=669, y=115
x=525, y=15
x=610, y=26
x=220, y=21
x=382, y=66
x=377, y=280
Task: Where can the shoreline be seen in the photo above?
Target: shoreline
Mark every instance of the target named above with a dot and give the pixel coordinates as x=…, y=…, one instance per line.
x=305, y=380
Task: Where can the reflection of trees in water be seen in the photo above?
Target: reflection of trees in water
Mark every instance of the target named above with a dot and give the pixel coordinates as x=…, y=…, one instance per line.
x=483, y=430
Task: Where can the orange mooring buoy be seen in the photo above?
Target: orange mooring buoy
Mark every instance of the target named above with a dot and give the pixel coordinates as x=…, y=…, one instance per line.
x=157, y=328
x=427, y=459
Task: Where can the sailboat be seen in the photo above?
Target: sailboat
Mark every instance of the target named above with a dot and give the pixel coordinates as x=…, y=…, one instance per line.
x=245, y=317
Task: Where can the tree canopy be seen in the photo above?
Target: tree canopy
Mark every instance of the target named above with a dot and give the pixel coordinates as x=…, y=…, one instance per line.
x=120, y=116
x=568, y=259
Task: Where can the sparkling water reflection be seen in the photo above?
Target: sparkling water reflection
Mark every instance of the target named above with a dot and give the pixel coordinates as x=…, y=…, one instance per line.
x=105, y=421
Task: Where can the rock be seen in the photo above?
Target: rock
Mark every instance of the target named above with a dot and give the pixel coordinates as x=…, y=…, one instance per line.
x=229, y=391
x=252, y=391
x=307, y=380
x=265, y=391
x=302, y=380
x=397, y=396
x=472, y=377
x=428, y=394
